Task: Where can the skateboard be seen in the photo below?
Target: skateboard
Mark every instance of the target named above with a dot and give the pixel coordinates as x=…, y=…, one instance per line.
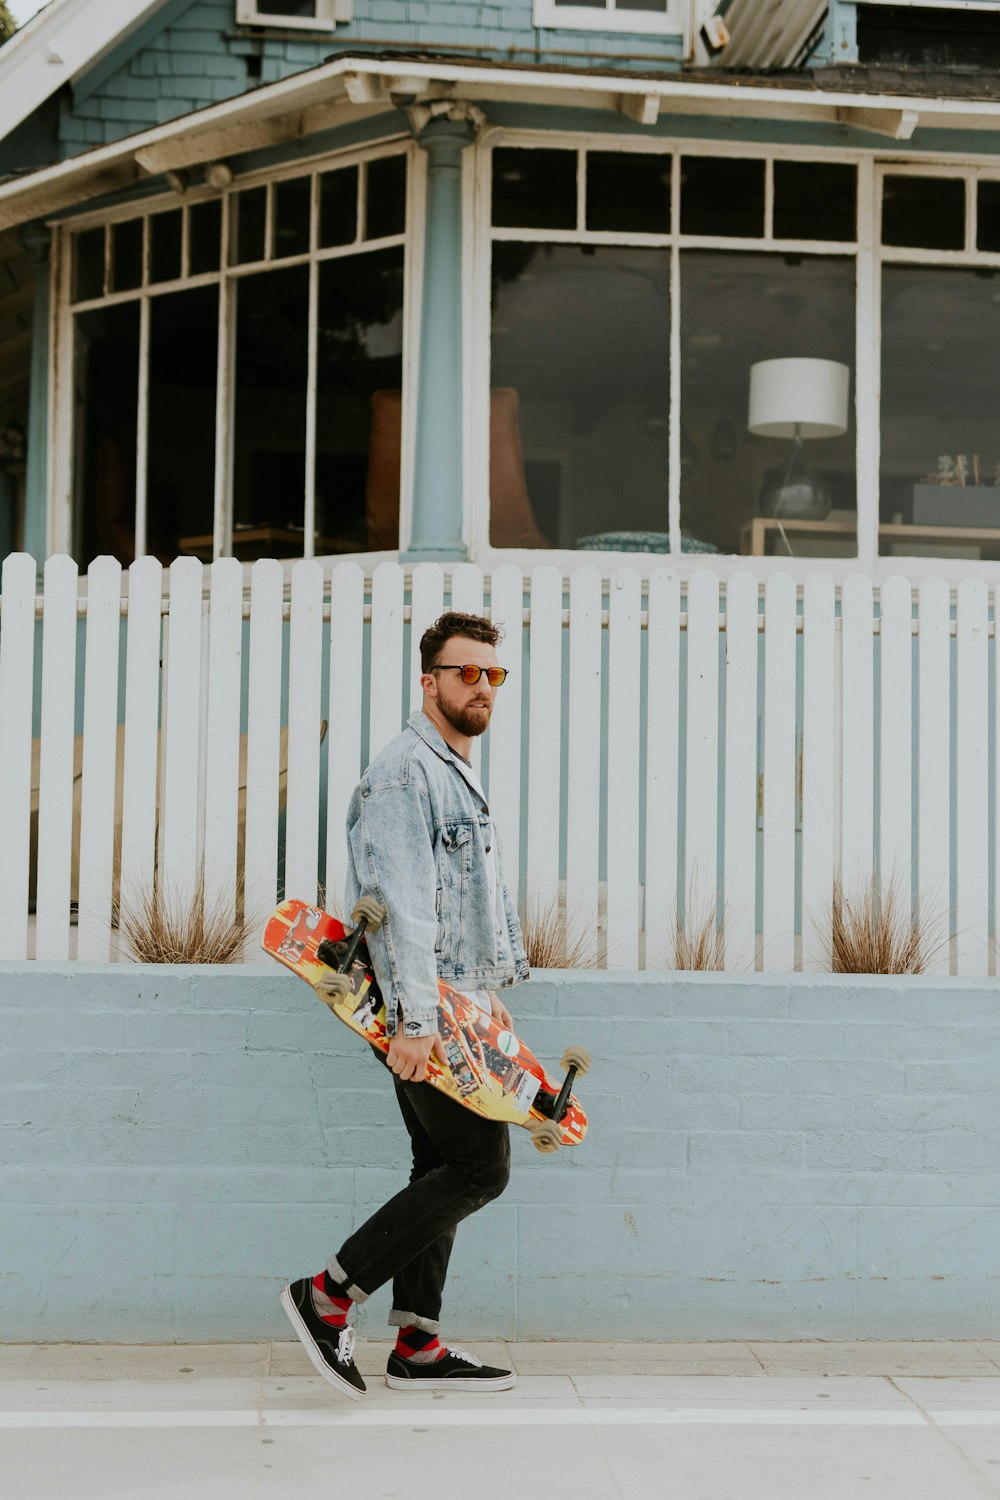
x=490, y=1070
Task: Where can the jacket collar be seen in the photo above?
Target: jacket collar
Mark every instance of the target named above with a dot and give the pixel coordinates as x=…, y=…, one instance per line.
x=421, y=725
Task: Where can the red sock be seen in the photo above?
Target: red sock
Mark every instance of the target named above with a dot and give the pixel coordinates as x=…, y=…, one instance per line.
x=415, y=1344
x=332, y=1309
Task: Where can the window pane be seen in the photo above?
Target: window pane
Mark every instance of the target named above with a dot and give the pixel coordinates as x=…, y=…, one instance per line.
x=722, y=195
x=534, y=189
x=305, y=8
x=988, y=216
x=385, y=197
x=126, y=256
x=338, y=207
x=358, y=401
x=248, y=212
x=180, y=488
x=924, y=212
x=627, y=191
x=814, y=200
x=270, y=427
x=105, y=387
x=940, y=397
x=165, y=246
x=659, y=6
x=580, y=395
x=88, y=264
x=738, y=309
x=205, y=229
x=291, y=217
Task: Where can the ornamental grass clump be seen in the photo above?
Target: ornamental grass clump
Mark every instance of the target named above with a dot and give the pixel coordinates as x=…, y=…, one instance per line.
x=699, y=942
x=545, y=931
x=171, y=927
x=876, y=930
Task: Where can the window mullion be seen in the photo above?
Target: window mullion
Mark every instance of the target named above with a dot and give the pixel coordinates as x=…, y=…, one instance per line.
x=867, y=366
x=674, y=314
x=222, y=518
x=142, y=431
x=309, y=506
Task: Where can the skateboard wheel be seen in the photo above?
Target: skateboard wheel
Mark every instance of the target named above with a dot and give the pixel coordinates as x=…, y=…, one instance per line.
x=332, y=987
x=578, y=1058
x=547, y=1136
x=373, y=912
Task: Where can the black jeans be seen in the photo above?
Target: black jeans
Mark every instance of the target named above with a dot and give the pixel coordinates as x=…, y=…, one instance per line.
x=460, y=1162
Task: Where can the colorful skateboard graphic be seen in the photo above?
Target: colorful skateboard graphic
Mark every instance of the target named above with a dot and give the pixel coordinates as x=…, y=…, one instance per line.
x=490, y=1070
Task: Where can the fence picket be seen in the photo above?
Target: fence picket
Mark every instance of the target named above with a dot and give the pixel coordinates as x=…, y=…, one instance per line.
x=622, y=838
x=663, y=718
x=895, y=854
x=972, y=780
x=17, y=649
x=222, y=733
x=55, y=789
x=544, y=739
x=858, y=750
x=140, y=769
x=740, y=817
x=260, y=861
x=934, y=772
x=386, y=656
x=347, y=640
x=467, y=597
x=778, y=896
x=305, y=689
x=100, y=736
x=819, y=741
x=426, y=604
x=701, y=775
x=504, y=749
x=583, y=764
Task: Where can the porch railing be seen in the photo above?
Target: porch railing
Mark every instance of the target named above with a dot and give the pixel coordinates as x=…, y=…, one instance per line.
x=660, y=749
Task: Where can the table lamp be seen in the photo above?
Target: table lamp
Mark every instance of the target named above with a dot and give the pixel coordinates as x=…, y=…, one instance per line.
x=797, y=398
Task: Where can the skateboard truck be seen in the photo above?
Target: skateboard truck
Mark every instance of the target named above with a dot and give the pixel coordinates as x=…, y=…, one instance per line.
x=547, y=1136
x=368, y=913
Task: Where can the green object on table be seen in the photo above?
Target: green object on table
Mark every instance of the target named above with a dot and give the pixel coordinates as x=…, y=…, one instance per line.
x=639, y=541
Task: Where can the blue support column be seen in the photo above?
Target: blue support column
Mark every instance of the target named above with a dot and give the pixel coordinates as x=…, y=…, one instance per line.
x=38, y=240
x=436, y=533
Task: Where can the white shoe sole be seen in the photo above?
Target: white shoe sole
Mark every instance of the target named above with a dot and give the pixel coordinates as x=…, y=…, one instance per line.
x=315, y=1358
x=450, y=1383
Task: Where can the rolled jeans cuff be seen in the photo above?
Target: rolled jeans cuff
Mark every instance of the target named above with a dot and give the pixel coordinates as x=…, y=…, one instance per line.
x=337, y=1273
x=413, y=1320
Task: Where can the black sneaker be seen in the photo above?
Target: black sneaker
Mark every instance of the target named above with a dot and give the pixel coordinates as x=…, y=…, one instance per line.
x=454, y=1371
x=331, y=1350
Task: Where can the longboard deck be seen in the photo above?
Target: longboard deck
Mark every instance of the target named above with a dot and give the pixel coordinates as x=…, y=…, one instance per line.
x=490, y=1071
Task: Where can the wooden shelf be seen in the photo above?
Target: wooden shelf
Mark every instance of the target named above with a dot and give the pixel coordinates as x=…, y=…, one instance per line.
x=756, y=533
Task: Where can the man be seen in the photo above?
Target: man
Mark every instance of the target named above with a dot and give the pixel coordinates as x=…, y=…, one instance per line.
x=422, y=842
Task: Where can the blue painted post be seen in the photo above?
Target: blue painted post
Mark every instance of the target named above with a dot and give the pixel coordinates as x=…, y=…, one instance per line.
x=38, y=239
x=436, y=532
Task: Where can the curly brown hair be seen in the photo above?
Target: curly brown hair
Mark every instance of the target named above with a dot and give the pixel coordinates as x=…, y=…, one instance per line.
x=473, y=627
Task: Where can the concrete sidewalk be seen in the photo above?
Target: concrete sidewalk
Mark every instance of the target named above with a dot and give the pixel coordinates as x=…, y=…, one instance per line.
x=693, y=1421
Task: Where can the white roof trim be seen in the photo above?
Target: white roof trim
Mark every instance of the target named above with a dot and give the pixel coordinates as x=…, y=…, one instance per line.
x=58, y=44
x=350, y=88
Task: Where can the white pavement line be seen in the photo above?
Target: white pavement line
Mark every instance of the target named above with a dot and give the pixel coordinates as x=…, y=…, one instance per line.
x=595, y=1416
x=965, y=1418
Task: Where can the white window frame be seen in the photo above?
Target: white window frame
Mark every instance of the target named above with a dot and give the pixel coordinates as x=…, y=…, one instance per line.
x=328, y=14
x=872, y=165
x=550, y=16
x=59, y=511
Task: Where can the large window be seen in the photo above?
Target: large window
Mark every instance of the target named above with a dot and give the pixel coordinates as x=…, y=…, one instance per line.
x=238, y=370
x=639, y=298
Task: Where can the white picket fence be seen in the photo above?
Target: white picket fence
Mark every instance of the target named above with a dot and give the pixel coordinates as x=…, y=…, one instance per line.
x=733, y=748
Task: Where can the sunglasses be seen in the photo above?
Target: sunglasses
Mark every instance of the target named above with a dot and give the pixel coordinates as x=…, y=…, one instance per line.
x=495, y=676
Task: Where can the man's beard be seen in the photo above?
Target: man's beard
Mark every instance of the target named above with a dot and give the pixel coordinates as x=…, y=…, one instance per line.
x=464, y=720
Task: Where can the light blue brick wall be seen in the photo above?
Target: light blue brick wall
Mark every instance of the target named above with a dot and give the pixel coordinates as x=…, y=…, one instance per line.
x=192, y=53
x=768, y=1158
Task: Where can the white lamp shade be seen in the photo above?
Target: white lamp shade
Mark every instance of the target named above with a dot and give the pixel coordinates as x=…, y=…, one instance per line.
x=810, y=394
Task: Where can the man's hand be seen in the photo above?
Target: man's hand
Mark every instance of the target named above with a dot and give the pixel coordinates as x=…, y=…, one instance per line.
x=501, y=1014
x=408, y=1056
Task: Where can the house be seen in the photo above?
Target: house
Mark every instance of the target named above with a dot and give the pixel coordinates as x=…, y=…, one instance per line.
x=604, y=289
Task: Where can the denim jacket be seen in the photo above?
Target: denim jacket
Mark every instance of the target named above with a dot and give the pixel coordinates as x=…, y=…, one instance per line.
x=418, y=839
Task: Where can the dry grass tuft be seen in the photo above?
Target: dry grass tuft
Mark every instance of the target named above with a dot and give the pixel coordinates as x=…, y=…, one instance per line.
x=544, y=931
x=157, y=927
x=699, y=942
x=876, y=931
